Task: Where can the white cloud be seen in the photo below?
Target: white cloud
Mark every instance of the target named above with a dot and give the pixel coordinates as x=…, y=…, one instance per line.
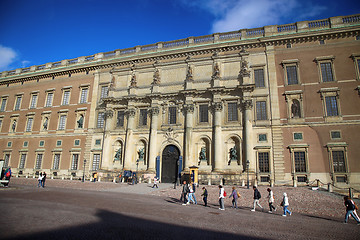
x=7, y=57
x=231, y=15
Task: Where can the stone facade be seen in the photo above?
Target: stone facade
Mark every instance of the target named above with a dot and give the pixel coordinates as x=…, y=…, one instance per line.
x=276, y=104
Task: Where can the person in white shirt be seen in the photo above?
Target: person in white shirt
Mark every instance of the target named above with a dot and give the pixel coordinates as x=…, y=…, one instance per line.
x=221, y=197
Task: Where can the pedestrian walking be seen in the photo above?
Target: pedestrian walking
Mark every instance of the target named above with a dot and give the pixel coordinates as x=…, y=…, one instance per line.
x=43, y=179
x=40, y=179
x=285, y=205
x=194, y=190
x=257, y=197
x=7, y=176
x=350, y=208
x=235, y=195
x=191, y=196
x=155, y=182
x=271, y=200
x=95, y=176
x=184, y=192
x=205, y=195
x=222, y=194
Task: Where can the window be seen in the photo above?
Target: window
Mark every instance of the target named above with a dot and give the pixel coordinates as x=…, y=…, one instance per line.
x=26, y=143
x=143, y=117
x=120, y=119
x=9, y=144
x=356, y=59
x=56, y=161
x=39, y=158
x=322, y=42
x=100, y=120
x=288, y=45
x=58, y=143
x=74, y=161
x=263, y=158
x=172, y=115
x=6, y=159
x=291, y=73
x=338, y=161
x=331, y=106
x=77, y=142
x=262, y=138
x=49, y=99
x=104, y=92
x=259, y=78
x=83, y=96
x=41, y=143
x=335, y=135
x=29, y=124
x=33, y=100
x=204, y=113
x=1, y=121
x=326, y=72
x=18, y=102
x=22, y=160
x=97, y=141
x=96, y=162
x=298, y=136
x=62, y=122
x=261, y=110
x=3, y=104
x=300, y=162
x=232, y=112
x=66, y=97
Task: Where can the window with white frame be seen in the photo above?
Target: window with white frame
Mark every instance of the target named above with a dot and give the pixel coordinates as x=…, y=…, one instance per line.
x=29, y=124
x=96, y=162
x=56, y=162
x=172, y=115
x=338, y=159
x=33, y=101
x=232, y=111
x=84, y=94
x=104, y=92
x=66, y=97
x=6, y=159
x=75, y=161
x=203, y=113
x=100, y=120
x=331, y=106
x=261, y=111
x=326, y=68
x=291, y=71
x=3, y=104
x=39, y=158
x=356, y=59
x=18, y=102
x=259, y=78
x=49, y=99
x=62, y=122
x=22, y=160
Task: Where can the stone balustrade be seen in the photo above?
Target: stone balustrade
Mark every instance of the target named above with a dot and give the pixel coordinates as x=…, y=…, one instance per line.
x=273, y=30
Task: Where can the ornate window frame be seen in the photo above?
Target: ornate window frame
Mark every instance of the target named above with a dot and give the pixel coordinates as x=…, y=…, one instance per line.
x=63, y=116
x=65, y=90
x=263, y=175
x=338, y=146
x=291, y=63
x=33, y=103
x=49, y=103
x=325, y=59
x=289, y=97
x=299, y=148
x=356, y=58
x=330, y=92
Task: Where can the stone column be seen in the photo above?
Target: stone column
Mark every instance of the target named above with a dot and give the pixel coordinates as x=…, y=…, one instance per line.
x=189, y=109
x=218, y=144
x=129, y=141
x=106, y=158
x=153, y=136
x=247, y=104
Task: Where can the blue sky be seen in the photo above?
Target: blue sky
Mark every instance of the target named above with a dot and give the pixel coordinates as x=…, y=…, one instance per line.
x=34, y=32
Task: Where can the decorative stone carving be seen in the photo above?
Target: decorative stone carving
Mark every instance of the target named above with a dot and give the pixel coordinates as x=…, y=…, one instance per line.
x=233, y=154
x=141, y=153
x=244, y=72
x=189, y=74
x=155, y=110
x=13, y=127
x=189, y=108
x=131, y=112
x=117, y=156
x=109, y=114
x=202, y=155
x=133, y=82
x=80, y=122
x=46, y=123
x=216, y=72
x=170, y=135
x=218, y=106
x=156, y=80
x=247, y=104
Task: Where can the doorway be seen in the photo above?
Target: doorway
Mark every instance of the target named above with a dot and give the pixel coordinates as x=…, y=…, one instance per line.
x=169, y=166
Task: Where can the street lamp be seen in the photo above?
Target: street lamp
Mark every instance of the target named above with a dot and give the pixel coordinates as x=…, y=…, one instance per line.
x=247, y=170
x=83, y=178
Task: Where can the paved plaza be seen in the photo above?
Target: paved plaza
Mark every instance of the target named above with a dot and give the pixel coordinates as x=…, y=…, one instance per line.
x=74, y=210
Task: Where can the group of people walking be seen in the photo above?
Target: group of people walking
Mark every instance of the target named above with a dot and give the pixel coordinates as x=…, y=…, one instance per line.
x=188, y=196
x=42, y=179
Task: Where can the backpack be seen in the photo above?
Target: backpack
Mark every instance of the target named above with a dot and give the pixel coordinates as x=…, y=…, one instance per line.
x=7, y=174
x=259, y=195
x=224, y=193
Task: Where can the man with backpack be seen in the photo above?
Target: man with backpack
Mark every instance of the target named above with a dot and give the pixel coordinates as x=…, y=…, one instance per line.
x=257, y=197
x=350, y=208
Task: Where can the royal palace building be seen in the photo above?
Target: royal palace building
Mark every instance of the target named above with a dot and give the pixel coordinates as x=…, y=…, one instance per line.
x=278, y=104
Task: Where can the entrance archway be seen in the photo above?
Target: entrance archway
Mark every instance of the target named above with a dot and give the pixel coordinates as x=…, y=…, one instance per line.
x=169, y=166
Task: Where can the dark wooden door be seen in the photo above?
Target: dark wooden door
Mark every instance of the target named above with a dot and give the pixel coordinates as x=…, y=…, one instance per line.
x=169, y=166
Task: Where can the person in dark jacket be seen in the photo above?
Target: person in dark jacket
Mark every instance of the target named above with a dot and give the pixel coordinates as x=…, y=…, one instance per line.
x=43, y=180
x=350, y=208
x=184, y=192
x=205, y=195
x=7, y=175
x=257, y=197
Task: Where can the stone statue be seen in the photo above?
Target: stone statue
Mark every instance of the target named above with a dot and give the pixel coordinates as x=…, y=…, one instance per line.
x=216, y=73
x=133, y=82
x=80, y=122
x=295, y=109
x=141, y=154
x=189, y=74
x=13, y=127
x=45, y=124
x=156, y=77
x=233, y=153
x=202, y=156
x=118, y=155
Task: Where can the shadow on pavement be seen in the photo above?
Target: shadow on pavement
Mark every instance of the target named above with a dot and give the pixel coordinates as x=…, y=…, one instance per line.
x=117, y=226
